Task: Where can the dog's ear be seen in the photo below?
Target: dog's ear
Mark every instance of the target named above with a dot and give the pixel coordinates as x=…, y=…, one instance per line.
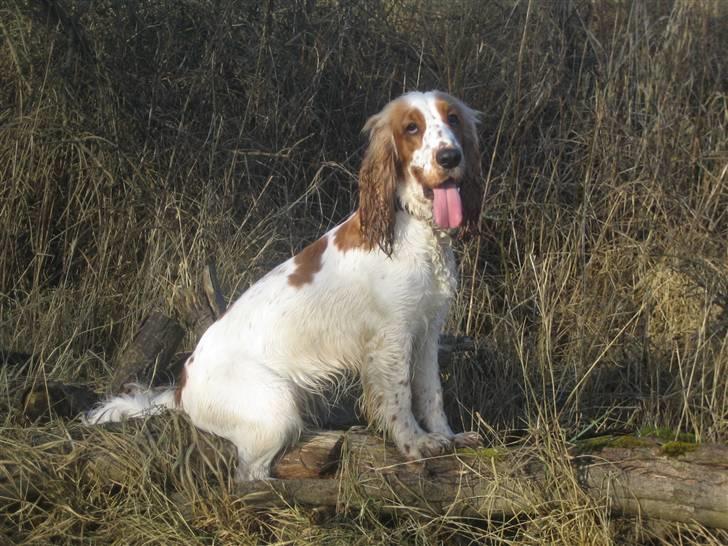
x=471, y=187
x=378, y=184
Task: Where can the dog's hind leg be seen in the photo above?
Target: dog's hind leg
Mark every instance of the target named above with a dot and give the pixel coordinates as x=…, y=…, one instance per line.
x=252, y=407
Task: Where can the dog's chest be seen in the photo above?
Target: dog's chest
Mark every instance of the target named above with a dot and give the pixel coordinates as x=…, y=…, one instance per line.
x=444, y=269
x=432, y=270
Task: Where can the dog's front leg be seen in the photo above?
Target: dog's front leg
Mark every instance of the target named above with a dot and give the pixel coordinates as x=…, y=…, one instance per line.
x=427, y=389
x=386, y=376
x=426, y=386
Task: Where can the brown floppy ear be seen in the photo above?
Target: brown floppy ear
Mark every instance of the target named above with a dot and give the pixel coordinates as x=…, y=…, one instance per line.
x=471, y=187
x=377, y=185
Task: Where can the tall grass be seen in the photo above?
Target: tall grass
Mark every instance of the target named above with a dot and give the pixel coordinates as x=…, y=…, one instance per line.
x=137, y=139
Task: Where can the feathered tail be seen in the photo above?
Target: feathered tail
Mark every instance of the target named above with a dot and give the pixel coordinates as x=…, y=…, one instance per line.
x=138, y=403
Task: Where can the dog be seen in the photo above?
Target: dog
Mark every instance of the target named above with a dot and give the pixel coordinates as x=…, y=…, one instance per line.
x=368, y=298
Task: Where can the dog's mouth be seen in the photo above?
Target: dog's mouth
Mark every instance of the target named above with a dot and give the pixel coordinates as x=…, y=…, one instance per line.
x=447, y=207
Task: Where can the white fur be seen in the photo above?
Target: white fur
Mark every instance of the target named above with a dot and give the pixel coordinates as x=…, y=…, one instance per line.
x=364, y=312
x=137, y=403
x=437, y=135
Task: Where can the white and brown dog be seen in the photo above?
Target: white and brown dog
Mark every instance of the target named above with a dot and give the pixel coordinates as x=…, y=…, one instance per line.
x=370, y=297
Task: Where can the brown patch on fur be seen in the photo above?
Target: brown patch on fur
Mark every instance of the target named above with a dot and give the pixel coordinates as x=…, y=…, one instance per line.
x=471, y=184
x=444, y=107
x=406, y=143
x=181, y=382
x=386, y=159
x=377, y=184
x=422, y=179
x=308, y=263
x=349, y=235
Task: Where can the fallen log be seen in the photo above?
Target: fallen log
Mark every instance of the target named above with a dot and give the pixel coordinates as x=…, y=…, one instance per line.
x=341, y=471
x=43, y=400
x=203, y=306
x=672, y=481
x=15, y=359
x=150, y=352
x=212, y=290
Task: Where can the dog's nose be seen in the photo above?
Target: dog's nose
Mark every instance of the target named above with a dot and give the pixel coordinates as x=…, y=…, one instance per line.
x=448, y=157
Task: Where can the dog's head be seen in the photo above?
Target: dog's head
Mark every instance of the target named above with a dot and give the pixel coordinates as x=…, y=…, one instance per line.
x=423, y=156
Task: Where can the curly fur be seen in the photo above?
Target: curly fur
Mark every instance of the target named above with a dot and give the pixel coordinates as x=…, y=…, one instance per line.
x=377, y=186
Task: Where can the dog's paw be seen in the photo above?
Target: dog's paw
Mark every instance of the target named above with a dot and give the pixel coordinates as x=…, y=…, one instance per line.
x=433, y=444
x=467, y=439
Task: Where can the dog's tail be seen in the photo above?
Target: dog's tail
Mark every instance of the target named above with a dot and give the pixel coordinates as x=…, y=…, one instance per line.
x=138, y=402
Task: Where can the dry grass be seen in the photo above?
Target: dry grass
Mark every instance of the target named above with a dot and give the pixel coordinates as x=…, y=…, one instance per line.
x=139, y=138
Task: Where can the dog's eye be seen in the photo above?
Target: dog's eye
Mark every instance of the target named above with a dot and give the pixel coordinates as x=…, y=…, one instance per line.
x=453, y=119
x=412, y=128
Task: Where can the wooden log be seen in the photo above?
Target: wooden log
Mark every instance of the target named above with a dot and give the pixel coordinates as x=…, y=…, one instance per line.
x=342, y=471
x=314, y=456
x=149, y=358
x=150, y=351
x=690, y=487
x=198, y=316
x=42, y=401
x=211, y=288
x=647, y=480
x=202, y=307
x=15, y=359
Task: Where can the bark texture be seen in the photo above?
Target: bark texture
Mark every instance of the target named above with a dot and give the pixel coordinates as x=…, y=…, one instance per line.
x=670, y=481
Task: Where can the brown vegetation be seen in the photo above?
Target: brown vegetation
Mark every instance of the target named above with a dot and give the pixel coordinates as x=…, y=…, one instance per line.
x=139, y=138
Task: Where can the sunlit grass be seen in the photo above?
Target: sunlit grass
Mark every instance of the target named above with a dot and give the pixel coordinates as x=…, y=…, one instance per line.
x=139, y=139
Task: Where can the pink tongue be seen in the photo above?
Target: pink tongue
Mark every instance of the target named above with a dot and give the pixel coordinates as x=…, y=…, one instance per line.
x=447, y=208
